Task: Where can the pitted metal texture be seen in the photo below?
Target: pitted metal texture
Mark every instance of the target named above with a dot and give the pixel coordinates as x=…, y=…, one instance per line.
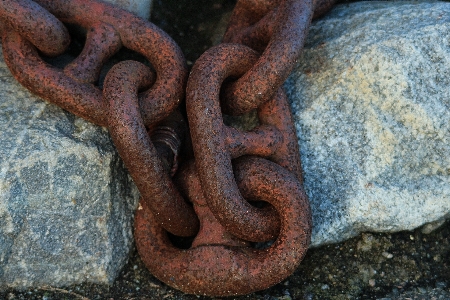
x=223, y=188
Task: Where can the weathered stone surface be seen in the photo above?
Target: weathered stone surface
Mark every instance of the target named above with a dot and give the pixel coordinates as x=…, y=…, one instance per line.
x=66, y=200
x=141, y=8
x=371, y=103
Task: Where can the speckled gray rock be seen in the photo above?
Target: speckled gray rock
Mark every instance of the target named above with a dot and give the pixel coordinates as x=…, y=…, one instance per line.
x=141, y=8
x=371, y=102
x=66, y=200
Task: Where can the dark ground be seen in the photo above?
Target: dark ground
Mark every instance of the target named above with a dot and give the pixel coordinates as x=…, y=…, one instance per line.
x=405, y=265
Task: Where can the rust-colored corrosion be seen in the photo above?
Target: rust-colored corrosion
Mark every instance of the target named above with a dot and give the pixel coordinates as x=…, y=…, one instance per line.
x=215, y=144
x=110, y=28
x=219, y=264
x=36, y=24
x=287, y=26
x=158, y=193
x=168, y=138
x=230, y=167
x=73, y=88
x=278, y=30
x=50, y=83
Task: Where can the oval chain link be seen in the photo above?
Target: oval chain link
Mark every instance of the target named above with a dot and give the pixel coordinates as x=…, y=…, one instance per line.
x=36, y=24
x=215, y=145
x=72, y=88
x=109, y=28
x=263, y=40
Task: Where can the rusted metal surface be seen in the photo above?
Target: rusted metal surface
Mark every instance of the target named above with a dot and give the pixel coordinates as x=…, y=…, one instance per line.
x=73, y=89
x=215, y=144
x=287, y=26
x=223, y=168
x=213, y=160
x=168, y=138
x=138, y=152
x=36, y=24
x=278, y=30
x=110, y=28
x=50, y=83
x=219, y=264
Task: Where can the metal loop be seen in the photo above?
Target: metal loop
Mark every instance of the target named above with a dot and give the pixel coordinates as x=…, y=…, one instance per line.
x=274, y=139
x=72, y=89
x=277, y=113
x=50, y=83
x=261, y=82
x=36, y=24
x=142, y=37
x=211, y=141
x=222, y=265
x=135, y=34
x=220, y=261
x=131, y=139
x=102, y=42
x=252, y=26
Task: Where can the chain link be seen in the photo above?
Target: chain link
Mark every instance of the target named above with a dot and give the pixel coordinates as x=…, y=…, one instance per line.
x=139, y=104
x=73, y=88
x=280, y=36
x=36, y=24
x=109, y=28
x=158, y=193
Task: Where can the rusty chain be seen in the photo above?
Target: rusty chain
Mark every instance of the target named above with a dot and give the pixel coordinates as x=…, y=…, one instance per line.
x=208, y=196
x=72, y=88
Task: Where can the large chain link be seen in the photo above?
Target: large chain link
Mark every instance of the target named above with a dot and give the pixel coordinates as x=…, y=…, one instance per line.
x=139, y=104
x=278, y=31
x=72, y=88
x=42, y=29
x=109, y=28
x=215, y=145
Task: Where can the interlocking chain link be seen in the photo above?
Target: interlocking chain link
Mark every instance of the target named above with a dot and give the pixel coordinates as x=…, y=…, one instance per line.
x=212, y=141
x=219, y=264
x=72, y=88
x=42, y=29
x=278, y=31
x=109, y=28
x=139, y=104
